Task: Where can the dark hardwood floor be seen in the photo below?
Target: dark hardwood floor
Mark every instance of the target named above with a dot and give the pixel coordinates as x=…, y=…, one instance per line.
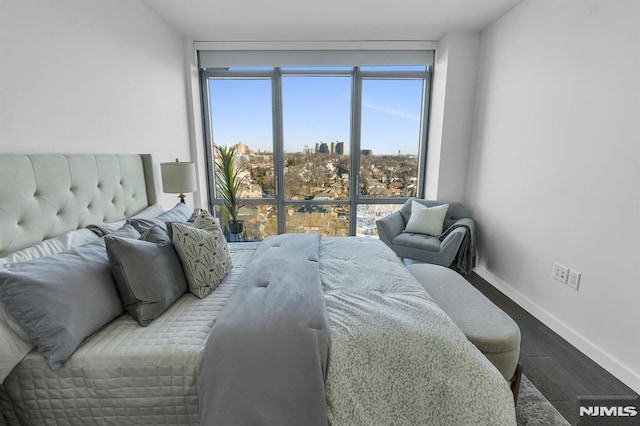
x=559, y=371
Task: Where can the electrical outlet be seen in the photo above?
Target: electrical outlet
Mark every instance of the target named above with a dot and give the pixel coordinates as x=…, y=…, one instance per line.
x=574, y=279
x=560, y=273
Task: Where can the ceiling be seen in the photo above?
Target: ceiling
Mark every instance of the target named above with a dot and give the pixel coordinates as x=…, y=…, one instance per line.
x=327, y=20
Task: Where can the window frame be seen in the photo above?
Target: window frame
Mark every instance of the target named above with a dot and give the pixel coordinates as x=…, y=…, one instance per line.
x=275, y=75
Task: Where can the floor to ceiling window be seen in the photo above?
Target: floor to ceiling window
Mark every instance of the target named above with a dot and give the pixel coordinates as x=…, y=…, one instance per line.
x=327, y=149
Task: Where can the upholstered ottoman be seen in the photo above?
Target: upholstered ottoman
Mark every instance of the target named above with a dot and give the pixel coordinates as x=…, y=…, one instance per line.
x=492, y=331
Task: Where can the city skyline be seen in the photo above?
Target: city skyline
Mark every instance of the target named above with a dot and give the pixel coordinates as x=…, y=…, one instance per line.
x=315, y=110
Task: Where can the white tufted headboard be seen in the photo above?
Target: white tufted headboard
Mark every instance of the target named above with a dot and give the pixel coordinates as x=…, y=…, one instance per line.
x=45, y=195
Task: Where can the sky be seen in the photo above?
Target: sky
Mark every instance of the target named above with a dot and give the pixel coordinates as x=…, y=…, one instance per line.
x=317, y=109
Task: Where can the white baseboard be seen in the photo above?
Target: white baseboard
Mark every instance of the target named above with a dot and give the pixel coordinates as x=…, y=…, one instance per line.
x=597, y=354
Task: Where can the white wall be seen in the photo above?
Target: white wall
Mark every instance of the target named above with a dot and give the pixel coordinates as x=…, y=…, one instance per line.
x=555, y=172
x=451, y=119
x=92, y=77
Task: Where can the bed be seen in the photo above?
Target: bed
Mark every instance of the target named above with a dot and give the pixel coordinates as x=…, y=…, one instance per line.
x=302, y=330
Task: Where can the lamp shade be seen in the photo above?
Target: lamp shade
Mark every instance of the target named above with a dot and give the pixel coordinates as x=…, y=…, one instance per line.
x=178, y=177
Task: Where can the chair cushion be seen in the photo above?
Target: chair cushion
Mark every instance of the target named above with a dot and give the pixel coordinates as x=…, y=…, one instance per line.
x=417, y=241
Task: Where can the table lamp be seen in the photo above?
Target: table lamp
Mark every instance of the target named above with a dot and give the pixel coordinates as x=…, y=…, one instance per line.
x=178, y=178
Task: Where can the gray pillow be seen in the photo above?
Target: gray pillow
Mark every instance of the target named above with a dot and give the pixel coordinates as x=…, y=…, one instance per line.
x=179, y=213
x=148, y=273
x=62, y=299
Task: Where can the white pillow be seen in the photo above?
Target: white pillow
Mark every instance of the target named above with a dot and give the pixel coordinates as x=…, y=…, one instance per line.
x=51, y=246
x=426, y=220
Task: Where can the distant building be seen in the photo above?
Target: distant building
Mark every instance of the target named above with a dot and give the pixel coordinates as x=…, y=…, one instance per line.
x=366, y=152
x=322, y=148
x=243, y=149
x=333, y=147
x=339, y=150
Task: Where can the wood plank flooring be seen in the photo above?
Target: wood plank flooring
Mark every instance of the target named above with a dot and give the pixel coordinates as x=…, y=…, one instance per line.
x=554, y=366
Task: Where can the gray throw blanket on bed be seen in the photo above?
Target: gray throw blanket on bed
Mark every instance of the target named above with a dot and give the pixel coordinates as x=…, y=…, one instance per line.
x=266, y=359
x=466, y=256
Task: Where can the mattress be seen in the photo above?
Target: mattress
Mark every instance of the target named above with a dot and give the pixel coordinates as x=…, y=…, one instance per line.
x=124, y=370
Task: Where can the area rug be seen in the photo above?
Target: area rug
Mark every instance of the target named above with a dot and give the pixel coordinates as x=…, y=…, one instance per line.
x=534, y=409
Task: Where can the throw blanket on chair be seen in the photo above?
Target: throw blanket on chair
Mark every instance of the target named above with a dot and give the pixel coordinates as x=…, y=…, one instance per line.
x=466, y=256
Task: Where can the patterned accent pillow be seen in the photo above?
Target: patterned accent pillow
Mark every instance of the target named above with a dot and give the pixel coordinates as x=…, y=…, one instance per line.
x=208, y=223
x=211, y=224
x=205, y=221
x=204, y=253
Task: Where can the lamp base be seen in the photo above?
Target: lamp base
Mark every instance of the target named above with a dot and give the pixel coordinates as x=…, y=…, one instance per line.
x=181, y=196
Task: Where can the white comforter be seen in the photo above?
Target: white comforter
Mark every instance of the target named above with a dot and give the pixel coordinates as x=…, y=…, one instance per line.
x=396, y=357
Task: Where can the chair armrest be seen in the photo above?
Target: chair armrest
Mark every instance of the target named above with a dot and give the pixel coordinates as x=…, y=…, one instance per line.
x=390, y=226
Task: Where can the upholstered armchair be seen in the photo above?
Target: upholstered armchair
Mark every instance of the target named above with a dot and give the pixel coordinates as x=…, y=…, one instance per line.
x=456, y=242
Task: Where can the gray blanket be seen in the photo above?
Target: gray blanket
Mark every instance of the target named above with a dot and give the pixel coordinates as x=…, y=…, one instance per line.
x=466, y=256
x=266, y=359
